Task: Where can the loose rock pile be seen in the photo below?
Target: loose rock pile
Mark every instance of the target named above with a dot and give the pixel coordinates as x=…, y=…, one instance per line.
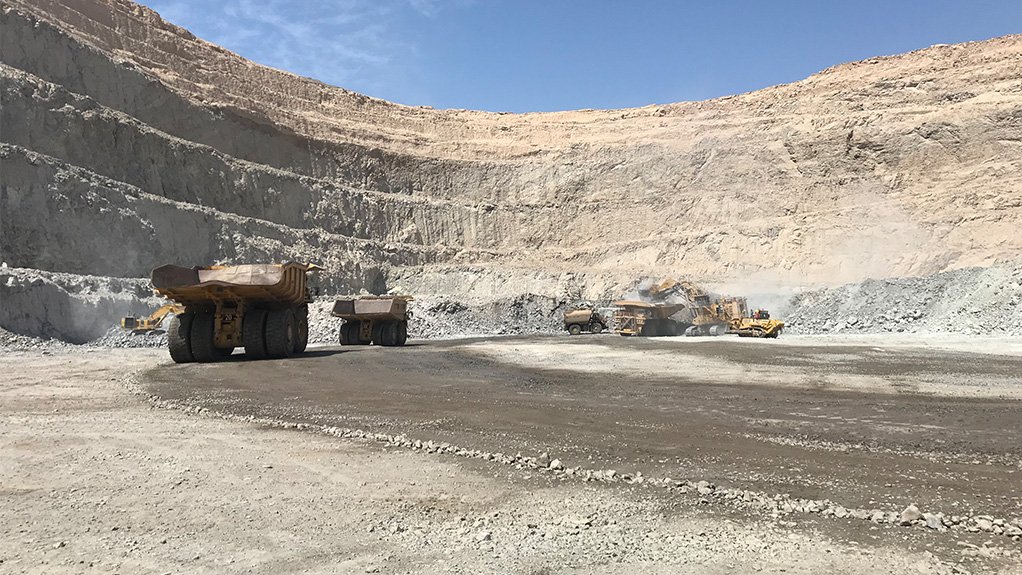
x=438, y=317
x=16, y=342
x=977, y=301
x=117, y=337
x=69, y=307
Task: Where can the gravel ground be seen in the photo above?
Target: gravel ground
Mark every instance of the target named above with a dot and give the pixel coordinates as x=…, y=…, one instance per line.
x=96, y=481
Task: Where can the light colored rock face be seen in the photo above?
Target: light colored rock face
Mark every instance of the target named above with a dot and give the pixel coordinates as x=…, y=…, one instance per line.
x=129, y=143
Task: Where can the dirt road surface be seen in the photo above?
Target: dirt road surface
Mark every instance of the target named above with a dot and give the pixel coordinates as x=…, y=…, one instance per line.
x=311, y=464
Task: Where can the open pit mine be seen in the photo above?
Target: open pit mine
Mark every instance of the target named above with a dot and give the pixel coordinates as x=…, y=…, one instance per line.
x=433, y=303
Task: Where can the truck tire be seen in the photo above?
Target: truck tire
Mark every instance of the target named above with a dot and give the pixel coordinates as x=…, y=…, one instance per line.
x=377, y=333
x=350, y=333
x=670, y=327
x=596, y=328
x=203, y=348
x=649, y=329
x=402, y=332
x=179, y=338
x=355, y=334
x=358, y=334
x=281, y=333
x=302, y=325
x=574, y=329
x=252, y=329
x=345, y=335
x=389, y=333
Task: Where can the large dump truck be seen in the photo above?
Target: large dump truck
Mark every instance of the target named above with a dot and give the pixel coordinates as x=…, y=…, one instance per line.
x=584, y=319
x=261, y=307
x=379, y=320
x=648, y=319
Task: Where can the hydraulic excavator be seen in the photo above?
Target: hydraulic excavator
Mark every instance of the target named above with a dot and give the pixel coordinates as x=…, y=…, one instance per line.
x=716, y=315
x=153, y=322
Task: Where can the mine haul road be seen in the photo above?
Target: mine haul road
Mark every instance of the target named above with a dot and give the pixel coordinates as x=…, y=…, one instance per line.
x=864, y=427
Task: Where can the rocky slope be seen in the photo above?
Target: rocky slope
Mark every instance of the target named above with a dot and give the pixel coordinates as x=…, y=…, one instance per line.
x=975, y=301
x=128, y=143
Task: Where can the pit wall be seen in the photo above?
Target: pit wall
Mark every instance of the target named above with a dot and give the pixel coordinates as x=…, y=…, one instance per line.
x=128, y=144
x=66, y=307
x=713, y=189
x=54, y=216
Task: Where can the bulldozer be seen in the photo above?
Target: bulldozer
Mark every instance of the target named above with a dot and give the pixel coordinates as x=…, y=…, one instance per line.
x=261, y=307
x=759, y=325
x=153, y=322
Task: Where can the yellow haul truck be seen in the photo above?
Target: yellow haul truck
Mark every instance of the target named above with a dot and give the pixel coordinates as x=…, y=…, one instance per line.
x=379, y=320
x=261, y=307
x=584, y=319
x=648, y=319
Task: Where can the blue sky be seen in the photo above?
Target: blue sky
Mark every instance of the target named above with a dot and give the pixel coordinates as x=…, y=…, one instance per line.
x=534, y=55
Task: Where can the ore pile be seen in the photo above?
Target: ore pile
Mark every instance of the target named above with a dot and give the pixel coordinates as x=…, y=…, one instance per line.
x=16, y=342
x=438, y=317
x=974, y=301
x=117, y=337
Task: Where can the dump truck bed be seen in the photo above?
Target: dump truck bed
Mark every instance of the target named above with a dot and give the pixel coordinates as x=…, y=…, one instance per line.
x=655, y=310
x=372, y=308
x=578, y=316
x=272, y=285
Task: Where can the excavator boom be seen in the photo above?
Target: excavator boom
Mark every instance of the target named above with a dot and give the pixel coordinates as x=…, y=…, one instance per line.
x=153, y=321
x=709, y=314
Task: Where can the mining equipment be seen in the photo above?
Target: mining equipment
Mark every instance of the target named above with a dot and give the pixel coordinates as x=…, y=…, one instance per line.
x=648, y=319
x=706, y=315
x=153, y=321
x=378, y=320
x=715, y=316
x=261, y=307
x=584, y=318
x=759, y=325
